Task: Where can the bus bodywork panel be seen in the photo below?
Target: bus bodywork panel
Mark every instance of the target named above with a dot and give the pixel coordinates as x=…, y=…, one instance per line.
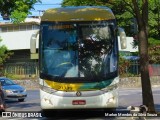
x=103, y=98
x=59, y=102
x=78, y=51
x=92, y=13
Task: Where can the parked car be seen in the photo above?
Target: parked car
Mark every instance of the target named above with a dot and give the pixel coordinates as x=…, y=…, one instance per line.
x=12, y=91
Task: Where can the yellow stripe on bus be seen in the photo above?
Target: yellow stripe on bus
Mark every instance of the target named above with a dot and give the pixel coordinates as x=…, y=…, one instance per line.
x=64, y=86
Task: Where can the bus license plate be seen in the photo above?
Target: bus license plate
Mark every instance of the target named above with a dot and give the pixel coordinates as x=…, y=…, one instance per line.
x=78, y=102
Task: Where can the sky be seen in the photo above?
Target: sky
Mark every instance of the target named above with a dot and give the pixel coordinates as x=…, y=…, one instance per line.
x=38, y=7
x=46, y=4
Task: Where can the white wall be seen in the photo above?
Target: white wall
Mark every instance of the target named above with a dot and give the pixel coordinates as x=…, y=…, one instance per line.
x=129, y=45
x=17, y=40
x=33, y=20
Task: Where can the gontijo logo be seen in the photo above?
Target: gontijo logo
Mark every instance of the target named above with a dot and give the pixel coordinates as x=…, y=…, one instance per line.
x=21, y=114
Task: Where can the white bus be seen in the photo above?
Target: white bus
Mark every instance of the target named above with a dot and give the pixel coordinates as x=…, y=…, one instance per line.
x=78, y=58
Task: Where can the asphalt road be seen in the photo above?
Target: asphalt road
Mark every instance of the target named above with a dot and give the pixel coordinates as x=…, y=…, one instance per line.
x=127, y=97
x=133, y=96
x=31, y=103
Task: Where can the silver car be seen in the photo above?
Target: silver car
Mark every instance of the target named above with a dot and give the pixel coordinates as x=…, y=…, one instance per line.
x=12, y=90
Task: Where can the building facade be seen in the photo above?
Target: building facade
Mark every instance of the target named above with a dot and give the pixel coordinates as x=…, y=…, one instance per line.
x=16, y=37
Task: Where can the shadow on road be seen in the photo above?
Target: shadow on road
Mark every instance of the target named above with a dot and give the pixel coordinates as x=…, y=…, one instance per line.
x=18, y=106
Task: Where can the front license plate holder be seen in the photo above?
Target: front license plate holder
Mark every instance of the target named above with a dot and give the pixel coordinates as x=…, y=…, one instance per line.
x=78, y=102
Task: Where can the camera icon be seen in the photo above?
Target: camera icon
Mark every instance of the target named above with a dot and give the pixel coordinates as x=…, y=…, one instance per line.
x=6, y=114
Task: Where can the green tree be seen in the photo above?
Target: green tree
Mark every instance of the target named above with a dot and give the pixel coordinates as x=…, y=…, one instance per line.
x=141, y=15
x=17, y=10
x=123, y=65
x=139, y=9
x=4, y=55
x=154, y=51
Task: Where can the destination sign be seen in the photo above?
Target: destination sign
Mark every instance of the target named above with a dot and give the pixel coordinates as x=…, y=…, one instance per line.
x=61, y=27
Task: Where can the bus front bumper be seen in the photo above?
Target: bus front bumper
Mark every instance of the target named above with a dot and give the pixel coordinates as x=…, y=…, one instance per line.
x=89, y=99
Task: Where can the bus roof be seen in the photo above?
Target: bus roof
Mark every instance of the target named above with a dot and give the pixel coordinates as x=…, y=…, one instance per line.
x=79, y=13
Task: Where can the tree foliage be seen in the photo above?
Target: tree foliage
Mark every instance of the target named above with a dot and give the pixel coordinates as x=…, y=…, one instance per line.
x=4, y=55
x=123, y=65
x=17, y=10
x=154, y=51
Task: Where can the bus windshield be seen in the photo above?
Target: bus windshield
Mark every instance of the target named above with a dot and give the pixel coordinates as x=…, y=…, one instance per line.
x=85, y=50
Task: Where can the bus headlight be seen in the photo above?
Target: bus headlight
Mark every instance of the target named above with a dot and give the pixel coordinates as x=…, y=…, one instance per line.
x=110, y=88
x=47, y=89
x=48, y=101
x=110, y=100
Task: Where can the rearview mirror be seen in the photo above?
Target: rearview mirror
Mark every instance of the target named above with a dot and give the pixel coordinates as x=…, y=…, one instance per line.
x=123, y=40
x=33, y=40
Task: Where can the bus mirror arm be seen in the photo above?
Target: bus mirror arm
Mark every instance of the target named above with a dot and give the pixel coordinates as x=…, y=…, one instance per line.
x=33, y=40
x=123, y=40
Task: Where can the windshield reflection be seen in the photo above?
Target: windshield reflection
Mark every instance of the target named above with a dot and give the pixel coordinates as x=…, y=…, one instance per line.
x=79, y=50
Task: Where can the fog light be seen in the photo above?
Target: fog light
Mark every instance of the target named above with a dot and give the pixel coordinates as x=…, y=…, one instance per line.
x=48, y=101
x=110, y=100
